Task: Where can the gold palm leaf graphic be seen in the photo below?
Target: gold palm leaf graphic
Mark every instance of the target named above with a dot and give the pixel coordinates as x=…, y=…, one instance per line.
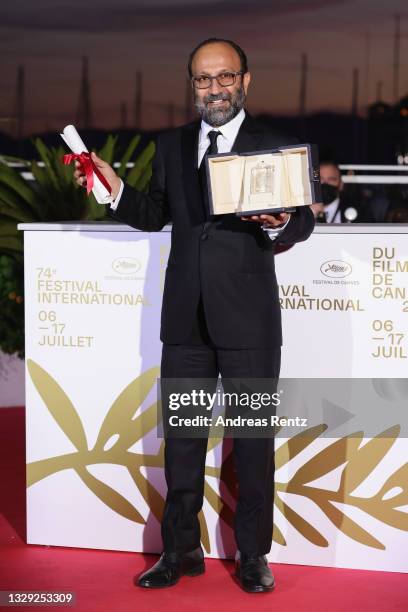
x=128, y=421
x=130, y=431
x=120, y=418
x=59, y=405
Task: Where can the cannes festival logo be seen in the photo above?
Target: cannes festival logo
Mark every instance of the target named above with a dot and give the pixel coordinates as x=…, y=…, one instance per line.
x=125, y=424
x=336, y=268
x=126, y=265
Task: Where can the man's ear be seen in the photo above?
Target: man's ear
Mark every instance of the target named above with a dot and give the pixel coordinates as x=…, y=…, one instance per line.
x=246, y=80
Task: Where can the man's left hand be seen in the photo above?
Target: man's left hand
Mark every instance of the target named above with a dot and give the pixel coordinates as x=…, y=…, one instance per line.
x=269, y=220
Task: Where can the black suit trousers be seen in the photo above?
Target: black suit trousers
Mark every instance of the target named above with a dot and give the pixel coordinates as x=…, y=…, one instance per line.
x=185, y=458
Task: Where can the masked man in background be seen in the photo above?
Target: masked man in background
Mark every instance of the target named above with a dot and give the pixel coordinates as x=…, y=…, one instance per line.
x=337, y=206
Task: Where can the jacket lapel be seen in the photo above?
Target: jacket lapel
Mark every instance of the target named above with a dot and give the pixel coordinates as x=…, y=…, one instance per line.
x=191, y=180
x=248, y=137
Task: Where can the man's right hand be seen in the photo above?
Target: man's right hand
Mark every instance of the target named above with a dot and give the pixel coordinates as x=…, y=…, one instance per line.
x=104, y=168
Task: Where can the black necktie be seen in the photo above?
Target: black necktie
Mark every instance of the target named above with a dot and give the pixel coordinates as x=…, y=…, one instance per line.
x=211, y=150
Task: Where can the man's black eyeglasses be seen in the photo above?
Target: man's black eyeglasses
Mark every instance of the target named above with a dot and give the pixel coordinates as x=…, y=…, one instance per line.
x=224, y=79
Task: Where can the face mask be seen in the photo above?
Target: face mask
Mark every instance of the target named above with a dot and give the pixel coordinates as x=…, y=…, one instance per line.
x=329, y=193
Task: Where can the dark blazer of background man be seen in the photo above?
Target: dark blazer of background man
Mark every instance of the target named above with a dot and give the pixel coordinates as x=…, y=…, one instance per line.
x=220, y=310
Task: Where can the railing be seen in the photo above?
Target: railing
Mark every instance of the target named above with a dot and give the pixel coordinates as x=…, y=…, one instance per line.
x=380, y=179
x=28, y=176
x=348, y=173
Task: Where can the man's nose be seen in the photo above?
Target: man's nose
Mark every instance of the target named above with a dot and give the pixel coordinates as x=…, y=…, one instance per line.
x=215, y=87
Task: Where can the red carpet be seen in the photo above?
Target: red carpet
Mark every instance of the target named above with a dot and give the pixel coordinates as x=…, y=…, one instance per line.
x=102, y=580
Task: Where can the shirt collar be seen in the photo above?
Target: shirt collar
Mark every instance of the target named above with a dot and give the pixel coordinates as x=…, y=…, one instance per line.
x=228, y=130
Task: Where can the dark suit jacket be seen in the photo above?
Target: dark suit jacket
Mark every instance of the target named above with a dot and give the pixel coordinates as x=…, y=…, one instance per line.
x=228, y=261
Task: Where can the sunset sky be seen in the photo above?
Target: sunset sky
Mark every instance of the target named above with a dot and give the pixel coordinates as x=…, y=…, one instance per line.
x=155, y=36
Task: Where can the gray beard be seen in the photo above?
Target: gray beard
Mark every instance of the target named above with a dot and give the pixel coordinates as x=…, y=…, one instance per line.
x=218, y=116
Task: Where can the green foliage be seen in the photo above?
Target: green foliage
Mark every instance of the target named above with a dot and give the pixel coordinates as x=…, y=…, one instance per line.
x=11, y=305
x=52, y=197
x=139, y=175
x=127, y=156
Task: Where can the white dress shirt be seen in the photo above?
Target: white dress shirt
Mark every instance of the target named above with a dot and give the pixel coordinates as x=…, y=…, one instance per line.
x=229, y=132
x=332, y=211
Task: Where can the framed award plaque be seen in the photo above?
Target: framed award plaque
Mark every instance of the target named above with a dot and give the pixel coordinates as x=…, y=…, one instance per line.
x=263, y=181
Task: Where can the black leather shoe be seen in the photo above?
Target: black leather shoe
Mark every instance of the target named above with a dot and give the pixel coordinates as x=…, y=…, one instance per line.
x=254, y=574
x=170, y=567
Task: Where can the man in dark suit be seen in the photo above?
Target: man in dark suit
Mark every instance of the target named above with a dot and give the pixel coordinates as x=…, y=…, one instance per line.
x=220, y=311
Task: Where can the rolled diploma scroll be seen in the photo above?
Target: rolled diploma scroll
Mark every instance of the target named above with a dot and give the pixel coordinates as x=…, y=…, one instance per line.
x=76, y=144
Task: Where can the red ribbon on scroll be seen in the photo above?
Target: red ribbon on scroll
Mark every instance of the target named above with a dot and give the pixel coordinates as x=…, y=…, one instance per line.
x=89, y=167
